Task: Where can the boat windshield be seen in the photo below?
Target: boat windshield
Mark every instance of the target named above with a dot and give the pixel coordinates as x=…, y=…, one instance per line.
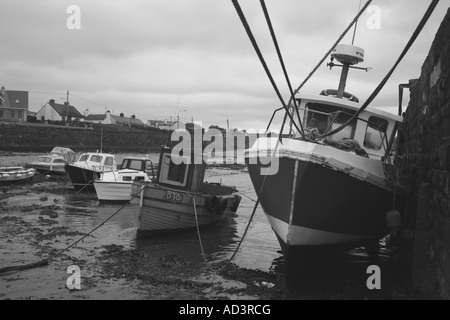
x=83, y=157
x=133, y=164
x=44, y=159
x=326, y=118
x=96, y=158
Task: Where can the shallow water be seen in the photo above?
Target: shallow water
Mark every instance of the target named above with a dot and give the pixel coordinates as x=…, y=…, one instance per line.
x=259, y=251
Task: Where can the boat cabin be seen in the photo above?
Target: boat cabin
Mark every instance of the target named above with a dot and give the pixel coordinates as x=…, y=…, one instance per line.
x=181, y=172
x=373, y=129
x=137, y=164
x=99, y=161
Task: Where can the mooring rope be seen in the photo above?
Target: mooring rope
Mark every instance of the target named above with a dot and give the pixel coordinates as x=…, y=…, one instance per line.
x=333, y=46
x=261, y=58
x=280, y=58
x=414, y=36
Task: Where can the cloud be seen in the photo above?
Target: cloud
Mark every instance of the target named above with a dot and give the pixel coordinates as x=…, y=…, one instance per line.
x=151, y=57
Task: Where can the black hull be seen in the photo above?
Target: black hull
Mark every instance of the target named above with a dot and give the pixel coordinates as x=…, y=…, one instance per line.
x=82, y=179
x=327, y=203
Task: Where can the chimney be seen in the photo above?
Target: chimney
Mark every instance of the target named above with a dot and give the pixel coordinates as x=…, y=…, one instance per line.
x=121, y=114
x=66, y=103
x=52, y=100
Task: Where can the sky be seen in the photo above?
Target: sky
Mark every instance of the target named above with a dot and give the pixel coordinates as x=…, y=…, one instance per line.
x=192, y=59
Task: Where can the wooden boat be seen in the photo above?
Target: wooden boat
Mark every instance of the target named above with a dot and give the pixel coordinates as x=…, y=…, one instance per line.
x=88, y=168
x=53, y=162
x=15, y=174
x=116, y=185
x=180, y=199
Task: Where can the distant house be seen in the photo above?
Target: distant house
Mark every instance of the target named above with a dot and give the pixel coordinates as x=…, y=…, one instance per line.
x=53, y=111
x=95, y=118
x=166, y=125
x=13, y=105
x=109, y=118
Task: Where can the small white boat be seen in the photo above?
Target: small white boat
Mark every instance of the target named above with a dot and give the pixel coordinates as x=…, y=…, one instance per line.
x=15, y=174
x=178, y=198
x=88, y=168
x=54, y=162
x=116, y=185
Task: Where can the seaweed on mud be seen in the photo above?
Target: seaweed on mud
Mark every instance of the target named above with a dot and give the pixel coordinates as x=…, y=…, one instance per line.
x=47, y=222
x=50, y=211
x=56, y=232
x=31, y=208
x=136, y=264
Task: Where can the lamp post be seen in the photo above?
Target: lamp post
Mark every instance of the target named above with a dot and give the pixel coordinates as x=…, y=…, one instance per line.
x=228, y=121
x=178, y=117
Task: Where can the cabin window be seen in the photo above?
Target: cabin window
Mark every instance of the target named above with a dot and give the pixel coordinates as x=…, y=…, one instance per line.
x=83, y=157
x=58, y=161
x=126, y=178
x=375, y=133
x=109, y=161
x=44, y=159
x=139, y=178
x=96, y=158
x=328, y=117
x=173, y=174
x=177, y=172
x=135, y=165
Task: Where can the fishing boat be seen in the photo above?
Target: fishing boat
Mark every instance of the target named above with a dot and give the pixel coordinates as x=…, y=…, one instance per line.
x=88, y=168
x=334, y=186
x=15, y=174
x=329, y=180
x=54, y=162
x=180, y=199
x=116, y=185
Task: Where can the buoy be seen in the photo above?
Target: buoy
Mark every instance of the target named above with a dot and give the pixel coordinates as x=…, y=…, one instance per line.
x=47, y=176
x=393, y=219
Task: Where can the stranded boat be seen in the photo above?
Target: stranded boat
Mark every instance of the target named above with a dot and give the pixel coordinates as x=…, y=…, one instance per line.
x=53, y=162
x=88, y=168
x=328, y=188
x=116, y=185
x=180, y=199
x=15, y=174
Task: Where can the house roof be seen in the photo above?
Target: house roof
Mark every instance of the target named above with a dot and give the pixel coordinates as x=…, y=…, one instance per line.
x=13, y=99
x=95, y=117
x=65, y=110
x=161, y=122
x=127, y=120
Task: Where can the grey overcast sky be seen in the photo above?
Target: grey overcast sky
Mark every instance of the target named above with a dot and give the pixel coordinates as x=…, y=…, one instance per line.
x=156, y=58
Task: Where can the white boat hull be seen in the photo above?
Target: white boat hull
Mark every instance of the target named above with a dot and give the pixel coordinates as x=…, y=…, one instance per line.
x=112, y=191
x=15, y=174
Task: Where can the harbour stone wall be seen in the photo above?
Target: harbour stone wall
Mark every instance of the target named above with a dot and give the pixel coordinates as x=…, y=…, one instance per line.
x=28, y=137
x=424, y=142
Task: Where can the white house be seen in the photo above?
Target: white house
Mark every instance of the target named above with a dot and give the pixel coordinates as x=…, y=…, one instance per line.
x=52, y=111
x=166, y=125
x=109, y=118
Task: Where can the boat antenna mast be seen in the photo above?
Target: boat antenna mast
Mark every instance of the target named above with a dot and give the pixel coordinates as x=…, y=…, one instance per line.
x=348, y=56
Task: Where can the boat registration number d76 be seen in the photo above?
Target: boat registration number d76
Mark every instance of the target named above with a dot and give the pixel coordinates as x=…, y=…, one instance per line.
x=173, y=196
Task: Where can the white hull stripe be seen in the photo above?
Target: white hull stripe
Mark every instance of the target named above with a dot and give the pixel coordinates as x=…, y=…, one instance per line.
x=301, y=236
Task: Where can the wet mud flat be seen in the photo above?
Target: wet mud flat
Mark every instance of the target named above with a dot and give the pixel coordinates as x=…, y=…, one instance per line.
x=41, y=217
